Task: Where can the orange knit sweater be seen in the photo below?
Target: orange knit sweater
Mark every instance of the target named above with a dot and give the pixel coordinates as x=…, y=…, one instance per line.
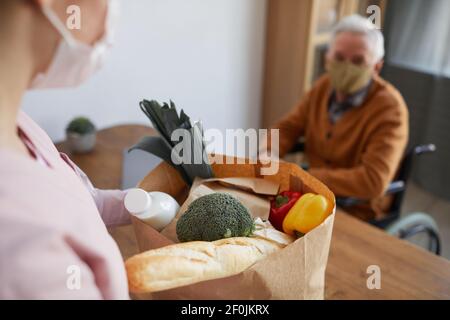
x=360, y=154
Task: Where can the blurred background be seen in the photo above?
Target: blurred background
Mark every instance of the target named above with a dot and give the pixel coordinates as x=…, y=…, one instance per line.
x=244, y=64
x=207, y=56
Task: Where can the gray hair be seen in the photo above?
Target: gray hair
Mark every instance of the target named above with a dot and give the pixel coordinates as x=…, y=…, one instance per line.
x=358, y=24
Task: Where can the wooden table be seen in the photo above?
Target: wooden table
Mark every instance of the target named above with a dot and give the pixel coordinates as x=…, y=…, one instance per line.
x=407, y=272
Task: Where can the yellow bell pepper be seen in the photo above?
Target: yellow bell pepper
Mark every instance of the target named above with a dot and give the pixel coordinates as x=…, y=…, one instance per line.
x=306, y=214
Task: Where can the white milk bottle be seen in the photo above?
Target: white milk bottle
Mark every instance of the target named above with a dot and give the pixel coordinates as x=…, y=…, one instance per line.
x=157, y=209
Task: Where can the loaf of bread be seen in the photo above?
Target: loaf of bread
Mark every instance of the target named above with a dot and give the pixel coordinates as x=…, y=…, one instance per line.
x=191, y=262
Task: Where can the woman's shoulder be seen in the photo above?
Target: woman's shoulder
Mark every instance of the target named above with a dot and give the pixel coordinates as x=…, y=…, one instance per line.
x=34, y=131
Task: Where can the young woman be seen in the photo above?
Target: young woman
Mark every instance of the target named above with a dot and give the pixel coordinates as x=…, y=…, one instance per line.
x=53, y=238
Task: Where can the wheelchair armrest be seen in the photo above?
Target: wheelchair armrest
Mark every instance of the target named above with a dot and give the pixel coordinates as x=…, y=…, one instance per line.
x=349, y=202
x=423, y=149
x=394, y=187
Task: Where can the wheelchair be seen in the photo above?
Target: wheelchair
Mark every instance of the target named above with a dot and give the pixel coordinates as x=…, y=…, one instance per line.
x=413, y=224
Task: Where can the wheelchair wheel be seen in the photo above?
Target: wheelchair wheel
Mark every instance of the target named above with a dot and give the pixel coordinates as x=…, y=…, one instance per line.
x=418, y=228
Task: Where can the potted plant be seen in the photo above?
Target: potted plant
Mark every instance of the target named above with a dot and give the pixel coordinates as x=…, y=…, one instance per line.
x=81, y=135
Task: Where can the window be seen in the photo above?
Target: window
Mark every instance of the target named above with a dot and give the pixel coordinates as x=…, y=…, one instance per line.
x=419, y=35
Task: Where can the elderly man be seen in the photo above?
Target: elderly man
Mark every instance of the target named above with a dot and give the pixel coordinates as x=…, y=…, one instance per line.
x=355, y=124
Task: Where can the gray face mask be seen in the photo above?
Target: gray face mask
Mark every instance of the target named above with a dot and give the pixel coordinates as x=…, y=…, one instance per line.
x=74, y=62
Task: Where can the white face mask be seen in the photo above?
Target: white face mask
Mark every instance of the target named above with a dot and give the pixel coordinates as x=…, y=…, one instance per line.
x=74, y=62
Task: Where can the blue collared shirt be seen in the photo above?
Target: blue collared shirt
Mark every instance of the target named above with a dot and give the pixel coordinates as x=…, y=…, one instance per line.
x=337, y=109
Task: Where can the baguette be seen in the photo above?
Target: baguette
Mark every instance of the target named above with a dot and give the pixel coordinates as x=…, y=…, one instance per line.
x=191, y=262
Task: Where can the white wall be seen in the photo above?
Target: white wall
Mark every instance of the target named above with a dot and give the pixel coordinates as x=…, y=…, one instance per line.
x=205, y=55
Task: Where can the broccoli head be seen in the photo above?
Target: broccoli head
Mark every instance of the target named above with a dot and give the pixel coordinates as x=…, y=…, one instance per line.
x=213, y=217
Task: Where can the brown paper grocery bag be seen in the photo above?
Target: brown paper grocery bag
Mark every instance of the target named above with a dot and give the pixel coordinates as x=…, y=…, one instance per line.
x=295, y=272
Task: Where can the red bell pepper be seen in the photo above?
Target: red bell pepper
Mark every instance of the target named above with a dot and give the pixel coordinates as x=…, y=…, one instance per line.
x=280, y=206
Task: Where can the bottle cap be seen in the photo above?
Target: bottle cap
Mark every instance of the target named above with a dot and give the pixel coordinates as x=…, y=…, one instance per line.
x=137, y=201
